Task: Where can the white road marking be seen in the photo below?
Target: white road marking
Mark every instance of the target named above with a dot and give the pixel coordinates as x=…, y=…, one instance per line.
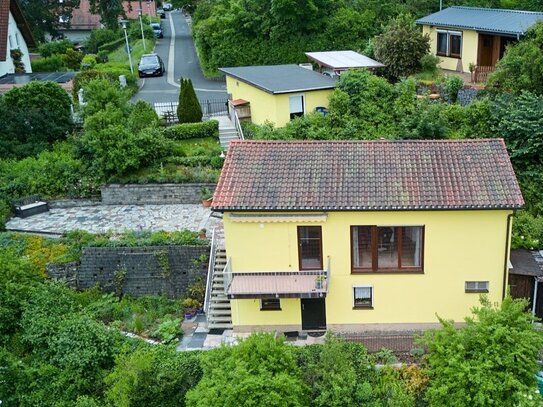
x=171, y=55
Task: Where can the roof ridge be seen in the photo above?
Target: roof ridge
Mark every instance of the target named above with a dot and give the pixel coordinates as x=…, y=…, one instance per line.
x=456, y=141
x=510, y=10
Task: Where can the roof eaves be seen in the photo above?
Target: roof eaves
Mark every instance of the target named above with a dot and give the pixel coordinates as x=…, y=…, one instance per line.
x=375, y=208
x=278, y=92
x=467, y=27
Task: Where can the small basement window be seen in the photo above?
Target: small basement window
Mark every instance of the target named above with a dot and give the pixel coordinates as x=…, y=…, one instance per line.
x=270, y=304
x=363, y=296
x=476, y=286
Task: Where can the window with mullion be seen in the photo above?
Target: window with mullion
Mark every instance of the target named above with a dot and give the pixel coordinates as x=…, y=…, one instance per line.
x=386, y=248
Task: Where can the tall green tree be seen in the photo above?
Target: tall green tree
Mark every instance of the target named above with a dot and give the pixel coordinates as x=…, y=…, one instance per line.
x=188, y=109
x=490, y=362
x=401, y=46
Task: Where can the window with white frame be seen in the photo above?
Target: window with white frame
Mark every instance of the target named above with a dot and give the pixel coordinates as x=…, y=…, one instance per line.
x=362, y=296
x=296, y=106
x=476, y=286
x=449, y=43
x=10, y=39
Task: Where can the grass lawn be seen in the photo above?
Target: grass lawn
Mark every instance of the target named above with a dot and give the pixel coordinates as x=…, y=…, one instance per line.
x=120, y=55
x=187, y=146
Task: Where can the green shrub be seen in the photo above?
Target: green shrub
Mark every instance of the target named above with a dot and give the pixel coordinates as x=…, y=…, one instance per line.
x=453, y=84
x=185, y=131
x=48, y=49
x=168, y=331
x=429, y=63
x=101, y=37
x=527, y=231
x=49, y=64
x=102, y=94
x=112, y=45
x=104, y=71
x=153, y=376
x=88, y=62
x=72, y=59
x=142, y=115
x=33, y=117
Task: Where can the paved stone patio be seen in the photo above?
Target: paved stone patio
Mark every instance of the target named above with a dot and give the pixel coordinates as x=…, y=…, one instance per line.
x=118, y=218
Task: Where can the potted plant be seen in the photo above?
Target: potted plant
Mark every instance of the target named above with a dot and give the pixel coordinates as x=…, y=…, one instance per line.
x=191, y=306
x=472, y=68
x=319, y=281
x=207, y=197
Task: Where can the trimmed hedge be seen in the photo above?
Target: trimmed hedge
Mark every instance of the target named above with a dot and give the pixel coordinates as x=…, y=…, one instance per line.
x=48, y=64
x=186, y=131
x=113, y=45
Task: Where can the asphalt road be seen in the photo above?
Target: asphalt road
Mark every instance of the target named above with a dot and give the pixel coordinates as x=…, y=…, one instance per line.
x=180, y=59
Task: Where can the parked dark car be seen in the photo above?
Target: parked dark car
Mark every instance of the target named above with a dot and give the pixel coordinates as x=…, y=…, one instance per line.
x=160, y=12
x=167, y=7
x=150, y=65
x=157, y=29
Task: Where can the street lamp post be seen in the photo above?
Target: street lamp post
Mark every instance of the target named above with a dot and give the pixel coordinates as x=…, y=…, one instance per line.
x=149, y=9
x=141, y=26
x=124, y=24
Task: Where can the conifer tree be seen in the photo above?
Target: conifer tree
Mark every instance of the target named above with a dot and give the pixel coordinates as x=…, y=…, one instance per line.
x=189, y=109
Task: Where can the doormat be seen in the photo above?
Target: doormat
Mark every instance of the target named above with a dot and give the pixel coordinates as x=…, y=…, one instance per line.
x=316, y=334
x=216, y=331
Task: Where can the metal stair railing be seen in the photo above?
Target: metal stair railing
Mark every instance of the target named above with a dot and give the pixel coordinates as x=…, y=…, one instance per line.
x=210, y=271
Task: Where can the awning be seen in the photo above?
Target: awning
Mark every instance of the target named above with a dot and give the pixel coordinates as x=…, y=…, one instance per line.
x=300, y=284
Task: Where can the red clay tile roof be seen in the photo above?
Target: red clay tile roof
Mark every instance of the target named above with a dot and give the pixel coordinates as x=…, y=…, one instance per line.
x=367, y=175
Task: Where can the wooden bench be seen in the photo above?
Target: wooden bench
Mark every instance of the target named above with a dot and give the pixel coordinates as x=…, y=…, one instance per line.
x=28, y=206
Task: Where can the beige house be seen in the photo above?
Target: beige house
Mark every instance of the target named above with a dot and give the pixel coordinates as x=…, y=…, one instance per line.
x=461, y=36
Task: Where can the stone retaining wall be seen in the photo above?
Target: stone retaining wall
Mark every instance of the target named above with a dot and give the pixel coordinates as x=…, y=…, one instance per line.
x=167, y=270
x=158, y=194
x=71, y=203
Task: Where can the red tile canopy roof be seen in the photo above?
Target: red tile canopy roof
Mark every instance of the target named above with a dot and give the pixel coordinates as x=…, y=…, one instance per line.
x=367, y=175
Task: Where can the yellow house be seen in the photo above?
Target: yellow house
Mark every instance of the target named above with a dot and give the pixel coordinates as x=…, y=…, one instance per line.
x=461, y=36
x=278, y=93
x=363, y=235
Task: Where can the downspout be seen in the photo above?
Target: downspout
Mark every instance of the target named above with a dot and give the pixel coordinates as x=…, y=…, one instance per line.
x=506, y=255
x=536, y=283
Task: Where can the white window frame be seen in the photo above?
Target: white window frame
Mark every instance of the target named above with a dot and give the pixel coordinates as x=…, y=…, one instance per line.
x=303, y=104
x=10, y=39
x=448, y=33
x=476, y=286
x=370, y=286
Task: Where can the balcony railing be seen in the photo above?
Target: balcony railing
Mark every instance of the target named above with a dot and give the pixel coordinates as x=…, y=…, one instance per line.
x=276, y=284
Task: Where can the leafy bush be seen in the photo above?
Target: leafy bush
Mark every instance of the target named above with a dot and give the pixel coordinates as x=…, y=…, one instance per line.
x=401, y=47
x=490, y=362
x=185, y=131
x=429, y=63
x=72, y=59
x=101, y=37
x=103, y=94
x=168, y=331
x=88, y=62
x=158, y=376
x=107, y=72
x=53, y=63
x=141, y=116
x=527, y=231
x=48, y=49
x=29, y=124
x=453, y=84
x=260, y=371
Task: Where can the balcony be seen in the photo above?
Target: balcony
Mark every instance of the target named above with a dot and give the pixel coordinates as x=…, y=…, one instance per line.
x=276, y=284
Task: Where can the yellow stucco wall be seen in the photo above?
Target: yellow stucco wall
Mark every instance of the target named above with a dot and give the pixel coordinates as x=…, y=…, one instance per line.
x=459, y=246
x=273, y=108
x=470, y=43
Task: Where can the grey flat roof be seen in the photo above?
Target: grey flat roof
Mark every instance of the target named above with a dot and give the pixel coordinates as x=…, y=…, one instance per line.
x=277, y=79
x=343, y=60
x=499, y=21
x=21, y=79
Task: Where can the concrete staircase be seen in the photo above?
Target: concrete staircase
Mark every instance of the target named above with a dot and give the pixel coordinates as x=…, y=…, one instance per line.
x=227, y=131
x=220, y=313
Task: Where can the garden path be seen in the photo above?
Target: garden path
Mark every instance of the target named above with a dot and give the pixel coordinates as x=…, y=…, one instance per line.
x=117, y=218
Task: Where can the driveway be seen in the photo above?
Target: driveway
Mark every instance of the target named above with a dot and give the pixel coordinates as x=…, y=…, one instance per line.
x=180, y=59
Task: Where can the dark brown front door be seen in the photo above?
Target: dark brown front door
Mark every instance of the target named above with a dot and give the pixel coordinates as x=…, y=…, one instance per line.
x=486, y=43
x=313, y=313
x=310, y=247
